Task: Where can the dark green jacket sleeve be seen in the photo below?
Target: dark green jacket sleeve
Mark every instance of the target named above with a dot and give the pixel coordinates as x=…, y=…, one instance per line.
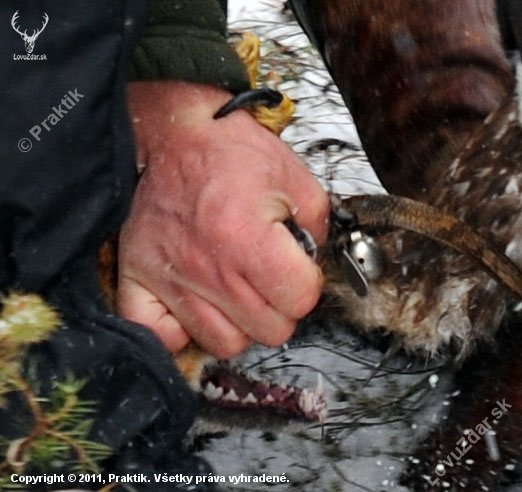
x=186, y=40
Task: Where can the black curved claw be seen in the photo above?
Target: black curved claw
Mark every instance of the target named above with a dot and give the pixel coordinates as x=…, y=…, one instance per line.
x=303, y=237
x=249, y=99
x=342, y=219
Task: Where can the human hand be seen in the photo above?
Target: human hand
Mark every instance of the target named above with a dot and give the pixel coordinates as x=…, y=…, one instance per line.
x=204, y=254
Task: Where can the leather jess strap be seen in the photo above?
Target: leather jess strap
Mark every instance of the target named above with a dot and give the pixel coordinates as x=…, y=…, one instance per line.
x=385, y=211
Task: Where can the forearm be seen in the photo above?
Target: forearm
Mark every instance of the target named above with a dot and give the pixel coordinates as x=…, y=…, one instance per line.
x=159, y=109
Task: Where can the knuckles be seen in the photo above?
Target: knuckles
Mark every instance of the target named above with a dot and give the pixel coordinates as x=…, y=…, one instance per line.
x=276, y=338
x=228, y=349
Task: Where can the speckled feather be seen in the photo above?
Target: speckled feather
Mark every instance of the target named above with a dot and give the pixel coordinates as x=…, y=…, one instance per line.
x=431, y=296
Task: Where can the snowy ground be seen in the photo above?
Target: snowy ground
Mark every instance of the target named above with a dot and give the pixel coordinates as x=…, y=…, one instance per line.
x=373, y=426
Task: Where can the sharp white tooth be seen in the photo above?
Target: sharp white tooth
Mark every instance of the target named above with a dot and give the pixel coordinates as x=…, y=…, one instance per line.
x=212, y=392
x=250, y=398
x=313, y=406
x=268, y=399
x=306, y=401
x=319, y=388
x=231, y=396
x=209, y=390
x=209, y=394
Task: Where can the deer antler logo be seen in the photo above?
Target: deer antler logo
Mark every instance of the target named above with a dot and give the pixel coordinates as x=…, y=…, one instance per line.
x=29, y=40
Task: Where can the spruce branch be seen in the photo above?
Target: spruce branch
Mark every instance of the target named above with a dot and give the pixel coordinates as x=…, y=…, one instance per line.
x=60, y=423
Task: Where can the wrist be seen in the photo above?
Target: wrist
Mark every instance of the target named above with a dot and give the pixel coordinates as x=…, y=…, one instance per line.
x=166, y=113
x=174, y=102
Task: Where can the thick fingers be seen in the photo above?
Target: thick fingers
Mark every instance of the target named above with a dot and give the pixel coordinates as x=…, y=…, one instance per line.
x=137, y=304
x=254, y=314
x=284, y=275
x=312, y=204
x=199, y=319
x=226, y=325
x=210, y=328
x=180, y=317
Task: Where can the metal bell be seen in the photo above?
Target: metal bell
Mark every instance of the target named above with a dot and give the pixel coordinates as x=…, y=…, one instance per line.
x=367, y=255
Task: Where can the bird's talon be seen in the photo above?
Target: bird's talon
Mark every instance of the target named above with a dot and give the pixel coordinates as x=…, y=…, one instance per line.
x=303, y=237
x=250, y=99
